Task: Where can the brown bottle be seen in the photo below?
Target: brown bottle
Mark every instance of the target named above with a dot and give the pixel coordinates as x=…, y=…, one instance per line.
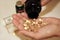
x=19, y=7
x=33, y=8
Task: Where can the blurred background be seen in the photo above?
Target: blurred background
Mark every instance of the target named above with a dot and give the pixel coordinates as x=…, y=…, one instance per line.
x=7, y=8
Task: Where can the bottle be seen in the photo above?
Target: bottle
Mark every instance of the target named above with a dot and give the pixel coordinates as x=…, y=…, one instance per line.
x=33, y=8
x=19, y=7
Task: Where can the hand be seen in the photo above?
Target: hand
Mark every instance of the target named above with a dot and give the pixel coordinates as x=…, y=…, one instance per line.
x=52, y=29
x=44, y=2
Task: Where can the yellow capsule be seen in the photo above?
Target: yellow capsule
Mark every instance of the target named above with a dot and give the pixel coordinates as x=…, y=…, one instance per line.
x=27, y=21
x=44, y=24
x=40, y=20
x=34, y=19
x=33, y=22
x=14, y=34
x=25, y=24
x=26, y=28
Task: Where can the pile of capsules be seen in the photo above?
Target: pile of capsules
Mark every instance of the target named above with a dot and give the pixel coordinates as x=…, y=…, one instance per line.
x=33, y=25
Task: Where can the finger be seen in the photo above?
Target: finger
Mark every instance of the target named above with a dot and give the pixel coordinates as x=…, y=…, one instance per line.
x=24, y=15
x=21, y=17
x=44, y=2
x=20, y=27
x=17, y=24
x=16, y=17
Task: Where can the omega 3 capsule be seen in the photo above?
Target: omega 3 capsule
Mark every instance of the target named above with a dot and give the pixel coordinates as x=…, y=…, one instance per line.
x=19, y=7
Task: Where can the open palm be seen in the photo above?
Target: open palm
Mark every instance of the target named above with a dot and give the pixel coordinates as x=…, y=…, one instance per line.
x=47, y=31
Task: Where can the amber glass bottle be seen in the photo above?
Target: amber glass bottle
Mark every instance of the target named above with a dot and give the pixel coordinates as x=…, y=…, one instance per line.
x=19, y=7
x=33, y=8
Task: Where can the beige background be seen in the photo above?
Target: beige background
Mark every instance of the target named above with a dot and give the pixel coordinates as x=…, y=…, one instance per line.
x=7, y=8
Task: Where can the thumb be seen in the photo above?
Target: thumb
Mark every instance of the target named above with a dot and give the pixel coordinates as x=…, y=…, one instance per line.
x=27, y=33
x=30, y=34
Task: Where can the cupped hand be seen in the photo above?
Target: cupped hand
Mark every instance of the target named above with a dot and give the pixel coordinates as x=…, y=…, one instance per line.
x=51, y=29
